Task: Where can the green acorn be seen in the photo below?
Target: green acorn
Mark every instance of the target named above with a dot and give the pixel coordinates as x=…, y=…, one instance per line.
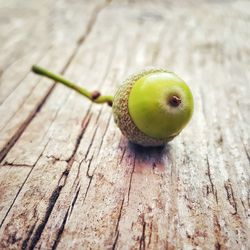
x=150, y=107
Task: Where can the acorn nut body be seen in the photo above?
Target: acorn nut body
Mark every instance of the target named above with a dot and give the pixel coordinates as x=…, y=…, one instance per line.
x=152, y=107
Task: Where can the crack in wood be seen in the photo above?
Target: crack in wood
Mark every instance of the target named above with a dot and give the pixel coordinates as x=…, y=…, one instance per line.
x=143, y=237
x=122, y=156
x=54, y=159
x=130, y=179
x=213, y=189
x=217, y=232
x=60, y=231
x=105, y=131
x=248, y=198
x=77, y=175
x=52, y=200
x=115, y=242
x=86, y=121
x=88, y=168
x=26, y=240
x=74, y=200
x=64, y=176
x=10, y=164
x=117, y=225
x=93, y=137
x=150, y=234
x=243, y=205
x=194, y=237
x=12, y=238
x=87, y=189
x=90, y=178
x=1, y=74
x=217, y=246
x=246, y=152
x=92, y=21
x=230, y=196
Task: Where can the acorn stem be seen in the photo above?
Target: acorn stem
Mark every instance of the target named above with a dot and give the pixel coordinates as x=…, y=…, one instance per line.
x=94, y=96
x=175, y=101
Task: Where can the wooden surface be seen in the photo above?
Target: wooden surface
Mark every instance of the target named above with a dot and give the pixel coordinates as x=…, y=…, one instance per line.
x=69, y=180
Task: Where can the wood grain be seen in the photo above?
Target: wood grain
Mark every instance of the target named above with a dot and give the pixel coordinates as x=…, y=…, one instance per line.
x=28, y=97
x=69, y=180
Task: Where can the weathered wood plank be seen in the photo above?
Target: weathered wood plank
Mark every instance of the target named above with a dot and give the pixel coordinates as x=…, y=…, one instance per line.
x=23, y=40
x=87, y=187
x=28, y=96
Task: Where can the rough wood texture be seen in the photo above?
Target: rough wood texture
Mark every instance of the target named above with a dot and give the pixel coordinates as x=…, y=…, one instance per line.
x=69, y=180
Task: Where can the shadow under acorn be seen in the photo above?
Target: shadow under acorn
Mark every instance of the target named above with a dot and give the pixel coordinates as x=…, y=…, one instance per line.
x=151, y=157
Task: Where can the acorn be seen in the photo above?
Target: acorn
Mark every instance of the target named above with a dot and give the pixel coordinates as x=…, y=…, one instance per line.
x=150, y=107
